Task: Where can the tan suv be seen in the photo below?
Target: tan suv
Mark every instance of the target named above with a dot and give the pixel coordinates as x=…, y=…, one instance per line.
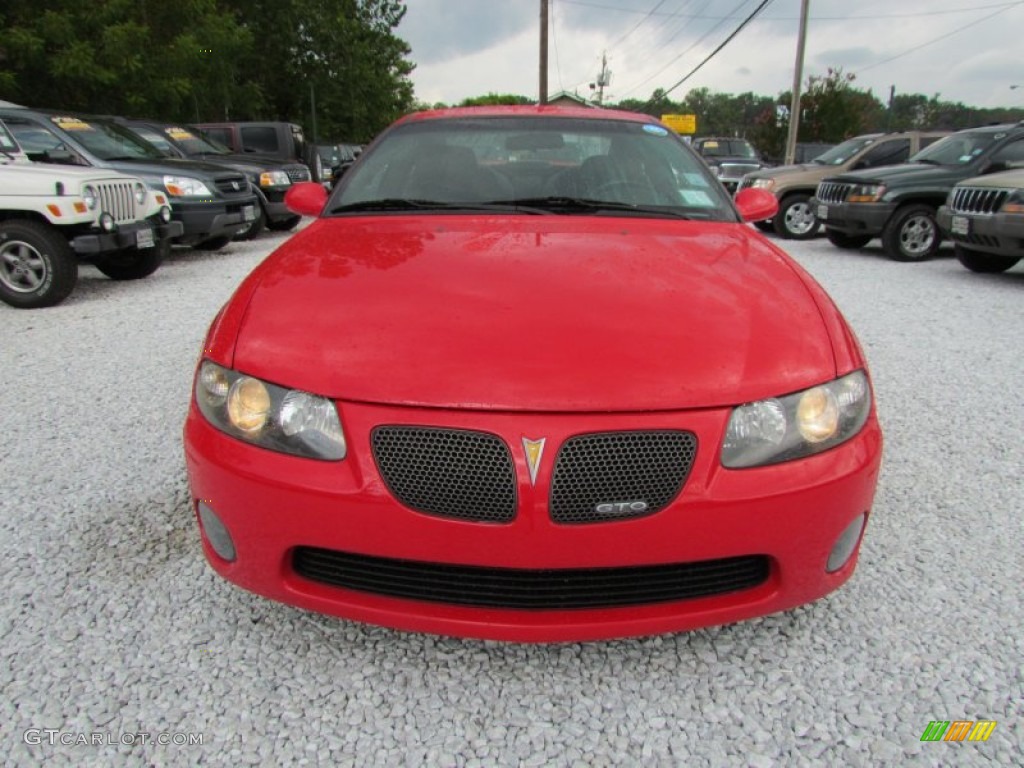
x=794, y=185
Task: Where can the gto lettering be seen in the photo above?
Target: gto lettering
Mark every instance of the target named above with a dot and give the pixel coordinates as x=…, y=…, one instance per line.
x=620, y=507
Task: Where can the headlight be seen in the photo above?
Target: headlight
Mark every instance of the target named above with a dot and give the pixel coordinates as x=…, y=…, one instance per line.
x=768, y=184
x=183, y=186
x=90, y=196
x=285, y=420
x=140, y=194
x=274, y=179
x=1014, y=202
x=791, y=427
x=866, y=193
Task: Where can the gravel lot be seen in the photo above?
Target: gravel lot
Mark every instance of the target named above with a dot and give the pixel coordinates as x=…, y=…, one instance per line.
x=114, y=624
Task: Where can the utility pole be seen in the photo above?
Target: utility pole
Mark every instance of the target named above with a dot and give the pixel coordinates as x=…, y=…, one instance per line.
x=888, y=115
x=604, y=79
x=798, y=74
x=543, y=52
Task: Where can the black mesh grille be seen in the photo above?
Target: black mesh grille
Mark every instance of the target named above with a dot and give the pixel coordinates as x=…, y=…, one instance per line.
x=530, y=589
x=605, y=476
x=447, y=472
x=298, y=173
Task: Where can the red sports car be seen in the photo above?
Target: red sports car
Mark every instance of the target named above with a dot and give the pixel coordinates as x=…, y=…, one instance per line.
x=529, y=376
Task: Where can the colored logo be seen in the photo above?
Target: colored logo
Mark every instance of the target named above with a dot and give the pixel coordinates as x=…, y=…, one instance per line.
x=534, y=449
x=958, y=730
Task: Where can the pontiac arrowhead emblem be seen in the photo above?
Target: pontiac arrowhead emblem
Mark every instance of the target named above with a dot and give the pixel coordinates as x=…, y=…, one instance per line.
x=534, y=449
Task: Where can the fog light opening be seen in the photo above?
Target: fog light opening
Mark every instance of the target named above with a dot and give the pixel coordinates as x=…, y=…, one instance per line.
x=846, y=544
x=216, y=532
x=107, y=222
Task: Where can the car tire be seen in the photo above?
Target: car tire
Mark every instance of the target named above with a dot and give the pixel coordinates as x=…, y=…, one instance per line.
x=284, y=225
x=256, y=226
x=845, y=241
x=213, y=244
x=765, y=226
x=133, y=263
x=37, y=266
x=977, y=261
x=795, y=219
x=911, y=234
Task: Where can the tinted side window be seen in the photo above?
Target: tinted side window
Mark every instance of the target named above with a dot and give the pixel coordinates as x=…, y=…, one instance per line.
x=259, y=138
x=1010, y=153
x=223, y=135
x=886, y=153
x=927, y=140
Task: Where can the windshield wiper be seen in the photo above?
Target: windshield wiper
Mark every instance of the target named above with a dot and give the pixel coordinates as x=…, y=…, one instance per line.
x=405, y=204
x=564, y=204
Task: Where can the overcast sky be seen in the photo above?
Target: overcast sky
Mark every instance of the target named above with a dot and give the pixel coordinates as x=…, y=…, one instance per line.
x=964, y=50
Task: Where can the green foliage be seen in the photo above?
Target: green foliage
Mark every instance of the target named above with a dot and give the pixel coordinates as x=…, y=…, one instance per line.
x=832, y=110
x=209, y=60
x=494, y=99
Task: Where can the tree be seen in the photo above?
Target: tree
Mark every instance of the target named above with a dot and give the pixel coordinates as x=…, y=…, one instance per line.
x=492, y=99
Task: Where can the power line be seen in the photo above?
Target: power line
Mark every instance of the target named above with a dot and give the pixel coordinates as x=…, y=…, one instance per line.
x=672, y=61
x=692, y=72
x=554, y=43
x=732, y=14
x=645, y=18
x=937, y=39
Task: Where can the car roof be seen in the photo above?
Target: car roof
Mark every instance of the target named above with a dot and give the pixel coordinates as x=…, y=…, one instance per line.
x=533, y=110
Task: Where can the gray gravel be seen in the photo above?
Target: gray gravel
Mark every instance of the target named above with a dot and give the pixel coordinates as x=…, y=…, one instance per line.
x=113, y=624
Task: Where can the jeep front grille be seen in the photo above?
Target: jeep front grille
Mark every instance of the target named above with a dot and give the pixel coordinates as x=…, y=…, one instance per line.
x=118, y=199
x=598, y=476
x=530, y=589
x=978, y=200
x=447, y=472
x=833, y=192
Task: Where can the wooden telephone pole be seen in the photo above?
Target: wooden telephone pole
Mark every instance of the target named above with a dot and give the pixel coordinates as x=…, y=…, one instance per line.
x=543, y=52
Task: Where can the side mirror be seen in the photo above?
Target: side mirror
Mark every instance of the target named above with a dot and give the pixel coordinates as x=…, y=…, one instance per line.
x=756, y=204
x=306, y=198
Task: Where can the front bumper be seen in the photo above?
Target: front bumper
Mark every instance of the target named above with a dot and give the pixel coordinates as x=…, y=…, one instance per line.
x=208, y=220
x=273, y=504
x=854, y=218
x=125, y=236
x=1001, y=234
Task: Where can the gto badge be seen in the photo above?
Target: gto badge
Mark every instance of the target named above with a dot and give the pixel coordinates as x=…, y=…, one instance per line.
x=533, y=449
x=621, y=507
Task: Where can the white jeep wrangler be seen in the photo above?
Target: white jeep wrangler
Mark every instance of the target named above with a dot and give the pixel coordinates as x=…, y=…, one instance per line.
x=53, y=217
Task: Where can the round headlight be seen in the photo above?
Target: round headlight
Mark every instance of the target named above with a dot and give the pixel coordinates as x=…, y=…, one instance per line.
x=817, y=415
x=140, y=194
x=165, y=214
x=248, y=405
x=213, y=384
x=90, y=197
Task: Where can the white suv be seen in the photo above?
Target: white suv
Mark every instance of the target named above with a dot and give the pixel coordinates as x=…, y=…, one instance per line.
x=51, y=217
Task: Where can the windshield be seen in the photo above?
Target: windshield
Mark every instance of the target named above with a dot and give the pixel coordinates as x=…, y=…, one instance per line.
x=108, y=141
x=958, y=149
x=843, y=152
x=192, y=142
x=728, y=148
x=549, y=163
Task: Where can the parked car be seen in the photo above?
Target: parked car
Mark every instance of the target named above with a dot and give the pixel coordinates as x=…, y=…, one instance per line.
x=53, y=217
x=984, y=217
x=579, y=403
x=794, y=185
x=337, y=158
x=730, y=158
x=899, y=203
x=211, y=202
x=284, y=141
x=270, y=178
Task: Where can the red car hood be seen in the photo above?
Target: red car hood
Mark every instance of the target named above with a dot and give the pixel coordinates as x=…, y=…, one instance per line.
x=536, y=313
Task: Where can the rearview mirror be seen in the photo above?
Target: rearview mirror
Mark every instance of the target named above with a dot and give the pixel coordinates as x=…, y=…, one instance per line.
x=756, y=204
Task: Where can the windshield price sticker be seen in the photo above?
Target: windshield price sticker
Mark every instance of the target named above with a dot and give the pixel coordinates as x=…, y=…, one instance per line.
x=71, y=123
